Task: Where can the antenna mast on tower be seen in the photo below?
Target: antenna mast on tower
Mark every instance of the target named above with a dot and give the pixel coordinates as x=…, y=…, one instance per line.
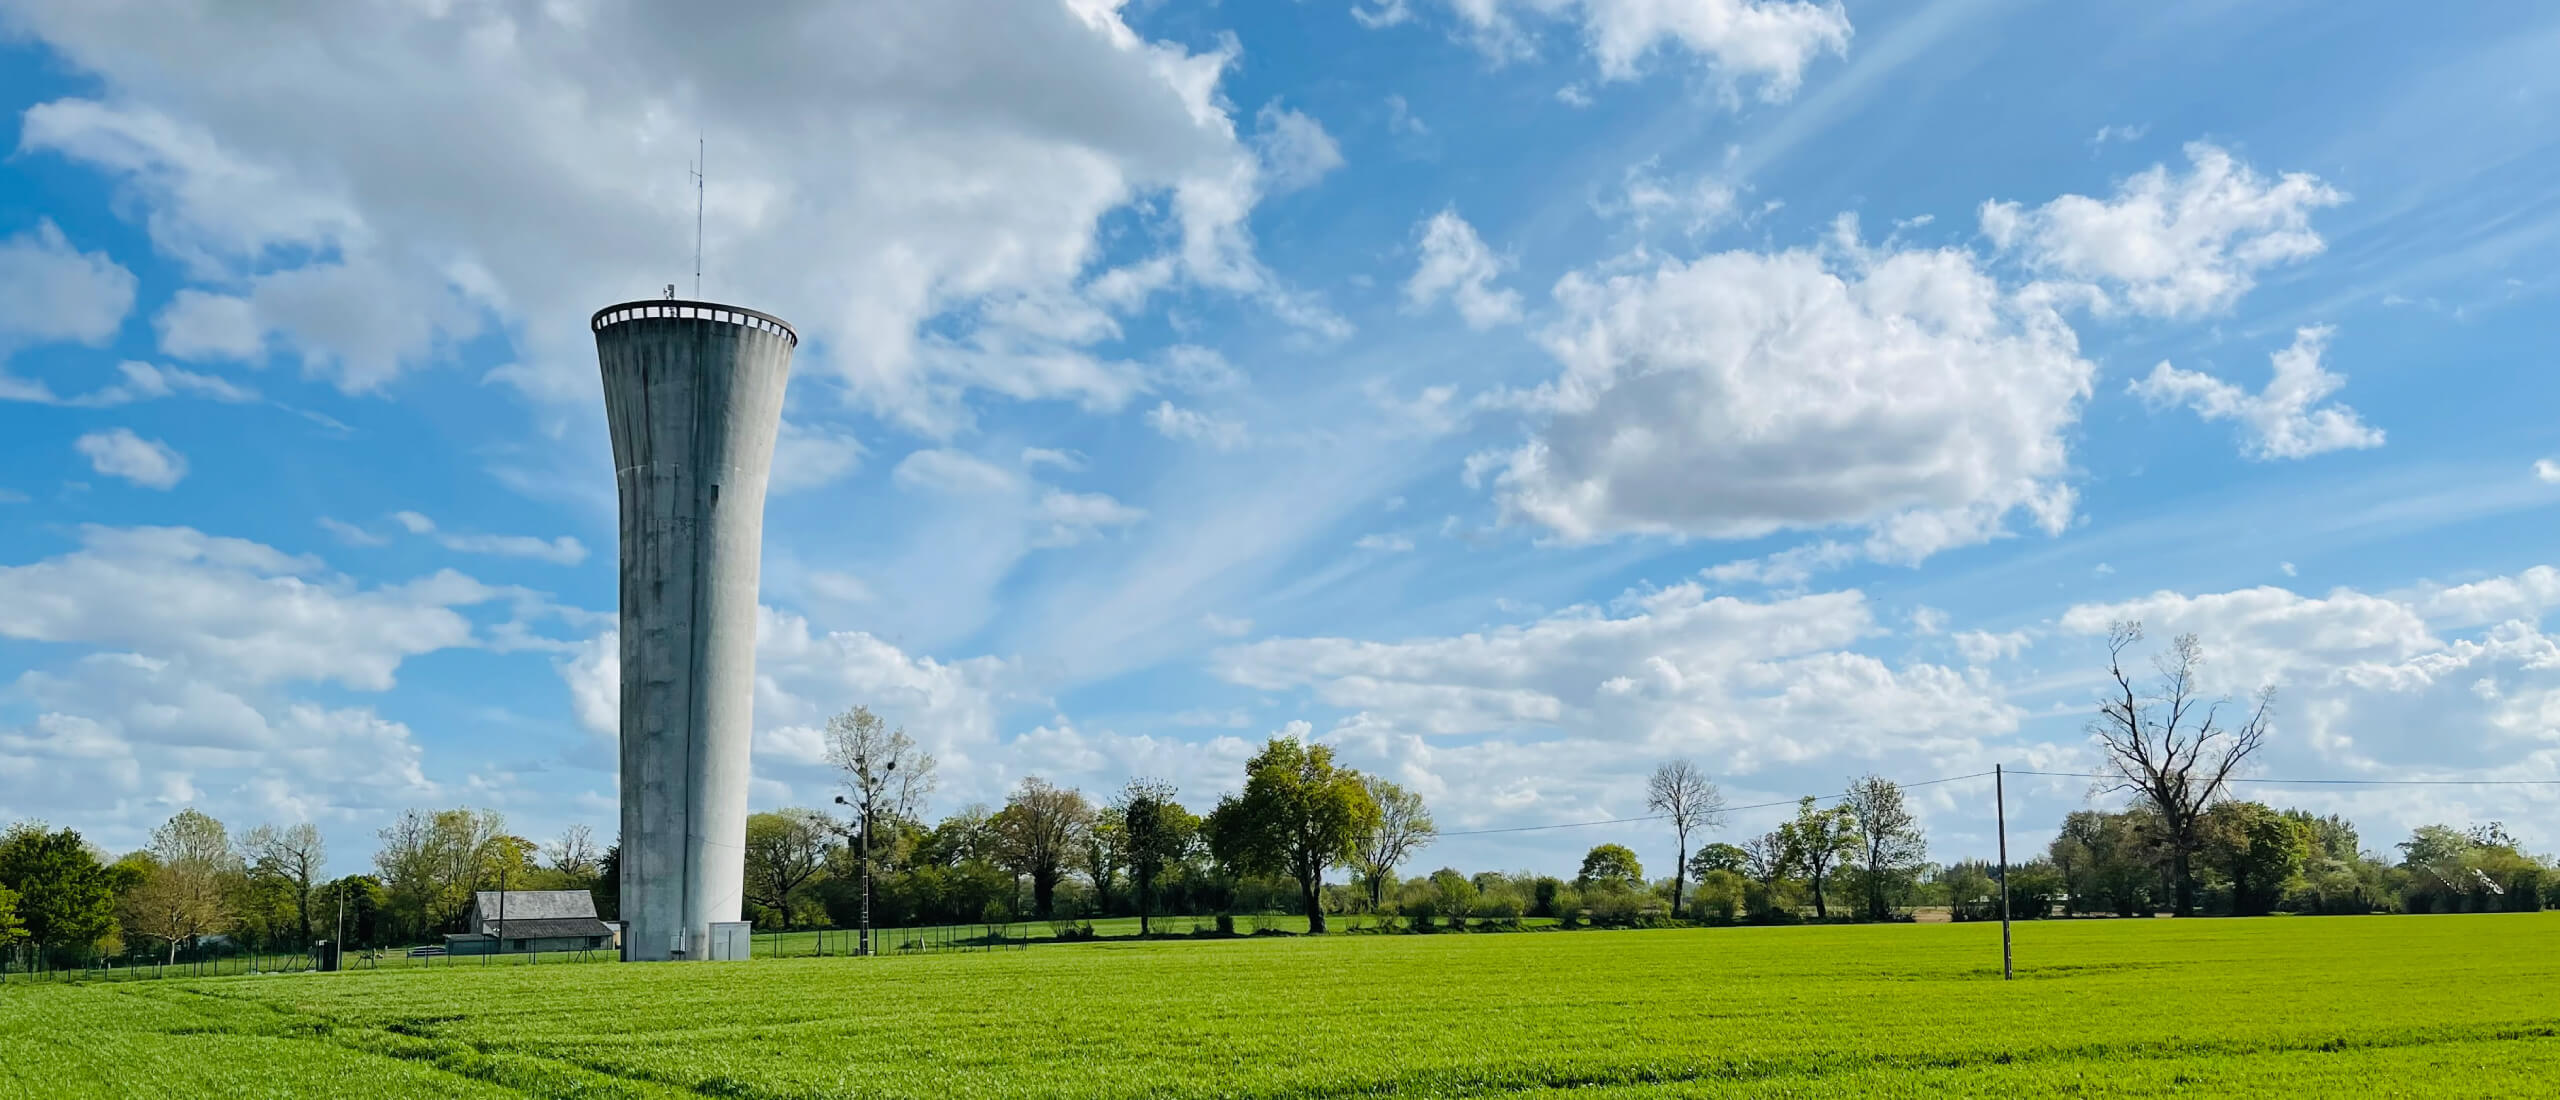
x=698, y=166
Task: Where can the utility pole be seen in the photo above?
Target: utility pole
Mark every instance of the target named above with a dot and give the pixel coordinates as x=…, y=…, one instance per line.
x=2000, y=803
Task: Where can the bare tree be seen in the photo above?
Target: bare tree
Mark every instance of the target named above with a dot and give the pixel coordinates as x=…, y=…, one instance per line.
x=1404, y=827
x=574, y=855
x=888, y=777
x=1681, y=792
x=1040, y=829
x=295, y=854
x=1890, y=845
x=2169, y=747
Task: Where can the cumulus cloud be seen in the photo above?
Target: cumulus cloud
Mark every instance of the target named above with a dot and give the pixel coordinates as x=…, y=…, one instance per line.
x=198, y=326
x=2286, y=419
x=2166, y=244
x=1455, y=264
x=863, y=184
x=1673, y=671
x=1692, y=206
x=50, y=291
x=2546, y=471
x=117, y=452
x=558, y=551
x=1745, y=393
x=2428, y=681
x=256, y=613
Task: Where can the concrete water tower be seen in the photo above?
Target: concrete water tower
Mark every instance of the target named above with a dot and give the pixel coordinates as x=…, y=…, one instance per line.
x=693, y=391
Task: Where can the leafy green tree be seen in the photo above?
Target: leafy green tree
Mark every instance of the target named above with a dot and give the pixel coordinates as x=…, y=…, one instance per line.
x=1039, y=832
x=1160, y=834
x=2257, y=849
x=12, y=929
x=189, y=891
x=1298, y=815
x=1889, y=845
x=1404, y=825
x=350, y=909
x=1610, y=866
x=785, y=850
x=1819, y=839
x=293, y=855
x=1716, y=857
x=66, y=898
x=1105, y=853
x=1453, y=896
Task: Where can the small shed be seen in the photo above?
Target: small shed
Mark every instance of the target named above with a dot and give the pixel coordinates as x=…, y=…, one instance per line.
x=511, y=921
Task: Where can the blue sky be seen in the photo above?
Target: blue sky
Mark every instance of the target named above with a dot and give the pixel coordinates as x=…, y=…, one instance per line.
x=1512, y=393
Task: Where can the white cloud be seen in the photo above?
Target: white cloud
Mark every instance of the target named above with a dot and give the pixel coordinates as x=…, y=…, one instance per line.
x=807, y=458
x=1788, y=568
x=1982, y=647
x=1070, y=461
x=863, y=194
x=2284, y=420
x=1074, y=517
x=2128, y=133
x=948, y=471
x=2169, y=246
x=1745, y=393
x=2287, y=567
x=1217, y=432
x=1455, y=264
x=2382, y=684
x=256, y=613
x=1691, y=206
x=1402, y=121
x=1296, y=152
x=563, y=550
x=2546, y=471
x=1767, y=41
x=144, y=382
x=52, y=292
x=351, y=534
x=117, y=452
x=1748, y=684
x=1376, y=14
x=1384, y=544
x=197, y=326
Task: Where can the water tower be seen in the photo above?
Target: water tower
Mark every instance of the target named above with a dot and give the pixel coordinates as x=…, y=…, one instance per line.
x=693, y=391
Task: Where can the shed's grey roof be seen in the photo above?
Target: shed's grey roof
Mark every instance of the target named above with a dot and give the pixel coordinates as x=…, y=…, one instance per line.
x=534, y=905
x=549, y=928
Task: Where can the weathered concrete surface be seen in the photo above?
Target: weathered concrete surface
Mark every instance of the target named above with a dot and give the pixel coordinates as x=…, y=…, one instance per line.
x=694, y=405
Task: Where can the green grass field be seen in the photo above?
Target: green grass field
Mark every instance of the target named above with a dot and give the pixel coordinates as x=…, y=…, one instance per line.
x=2369, y=1006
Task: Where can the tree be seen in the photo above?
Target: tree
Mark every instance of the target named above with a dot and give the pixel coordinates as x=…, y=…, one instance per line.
x=1404, y=827
x=1106, y=851
x=12, y=929
x=186, y=892
x=1298, y=815
x=1610, y=865
x=2257, y=849
x=1889, y=843
x=1683, y=794
x=1160, y=833
x=66, y=899
x=574, y=857
x=295, y=855
x=1817, y=840
x=430, y=862
x=785, y=849
x=2169, y=746
x=888, y=777
x=1038, y=832
x=1716, y=857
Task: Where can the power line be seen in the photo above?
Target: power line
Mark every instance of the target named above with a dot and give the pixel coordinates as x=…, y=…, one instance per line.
x=1667, y=817
x=2331, y=782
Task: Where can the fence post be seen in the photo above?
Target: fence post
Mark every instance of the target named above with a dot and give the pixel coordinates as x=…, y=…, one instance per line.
x=2000, y=804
